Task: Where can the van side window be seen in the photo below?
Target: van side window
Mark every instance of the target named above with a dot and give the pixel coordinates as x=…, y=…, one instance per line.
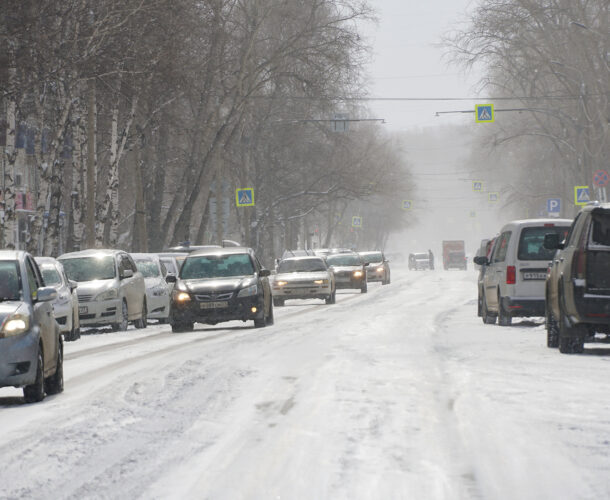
x=501, y=247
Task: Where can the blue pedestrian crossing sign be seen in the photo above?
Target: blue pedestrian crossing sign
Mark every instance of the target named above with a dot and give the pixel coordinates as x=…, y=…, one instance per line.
x=244, y=197
x=553, y=205
x=477, y=186
x=484, y=113
x=493, y=197
x=407, y=204
x=581, y=195
x=356, y=221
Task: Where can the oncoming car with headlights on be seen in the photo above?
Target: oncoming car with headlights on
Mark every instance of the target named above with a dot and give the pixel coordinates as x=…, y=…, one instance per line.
x=349, y=271
x=378, y=268
x=221, y=284
x=303, y=278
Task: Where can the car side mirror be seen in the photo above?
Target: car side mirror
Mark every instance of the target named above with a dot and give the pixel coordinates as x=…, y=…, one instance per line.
x=170, y=278
x=481, y=260
x=264, y=273
x=127, y=273
x=46, y=294
x=551, y=242
x=72, y=284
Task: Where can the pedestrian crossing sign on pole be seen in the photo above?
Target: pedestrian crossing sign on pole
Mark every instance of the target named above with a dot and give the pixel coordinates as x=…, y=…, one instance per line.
x=407, y=204
x=581, y=195
x=357, y=221
x=493, y=197
x=477, y=186
x=244, y=197
x=484, y=113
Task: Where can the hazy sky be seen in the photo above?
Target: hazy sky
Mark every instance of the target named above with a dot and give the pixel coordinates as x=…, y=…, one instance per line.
x=406, y=62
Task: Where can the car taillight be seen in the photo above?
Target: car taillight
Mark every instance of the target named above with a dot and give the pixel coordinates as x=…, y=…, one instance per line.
x=511, y=275
x=580, y=263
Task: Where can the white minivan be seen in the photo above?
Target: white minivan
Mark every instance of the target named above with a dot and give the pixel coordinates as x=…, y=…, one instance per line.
x=513, y=284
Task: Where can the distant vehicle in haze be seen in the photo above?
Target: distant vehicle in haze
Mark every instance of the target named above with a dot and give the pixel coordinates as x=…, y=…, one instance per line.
x=378, y=268
x=454, y=254
x=419, y=261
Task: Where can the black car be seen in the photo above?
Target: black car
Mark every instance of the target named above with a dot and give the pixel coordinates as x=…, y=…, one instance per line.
x=220, y=284
x=578, y=282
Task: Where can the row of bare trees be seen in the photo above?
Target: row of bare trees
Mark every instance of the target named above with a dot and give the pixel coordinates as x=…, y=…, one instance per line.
x=548, y=60
x=140, y=115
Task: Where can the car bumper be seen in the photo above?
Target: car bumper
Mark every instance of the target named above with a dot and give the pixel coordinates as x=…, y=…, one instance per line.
x=591, y=309
x=375, y=276
x=350, y=283
x=18, y=359
x=302, y=292
x=99, y=312
x=200, y=312
x=524, y=306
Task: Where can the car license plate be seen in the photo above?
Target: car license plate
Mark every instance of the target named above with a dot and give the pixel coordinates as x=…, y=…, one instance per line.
x=83, y=309
x=213, y=305
x=534, y=276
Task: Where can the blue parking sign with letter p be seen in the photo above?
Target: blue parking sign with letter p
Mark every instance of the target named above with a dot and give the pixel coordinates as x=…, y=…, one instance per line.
x=553, y=205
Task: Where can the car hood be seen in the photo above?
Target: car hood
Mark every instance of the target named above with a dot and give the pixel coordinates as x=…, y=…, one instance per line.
x=7, y=308
x=317, y=275
x=88, y=287
x=338, y=269
x=212, y=284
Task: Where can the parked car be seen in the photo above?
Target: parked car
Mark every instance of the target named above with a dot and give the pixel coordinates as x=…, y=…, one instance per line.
x=111, y=290
x=303, y=278
x=65, y=306
x=513, y=285
x=419, y=261
x=31, y=347
x=172, y=261
x=578, y=282
x=378, y=267
x=485, y=252
x=349, y=271
x=157, y=289
x=221, y=284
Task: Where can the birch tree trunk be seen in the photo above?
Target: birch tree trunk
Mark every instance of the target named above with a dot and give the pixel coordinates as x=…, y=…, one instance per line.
x=90, y=192
x=76, y=225
x=9, y=225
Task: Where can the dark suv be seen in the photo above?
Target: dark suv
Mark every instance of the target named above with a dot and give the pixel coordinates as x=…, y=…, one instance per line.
x=220, y=284
x=578, y=281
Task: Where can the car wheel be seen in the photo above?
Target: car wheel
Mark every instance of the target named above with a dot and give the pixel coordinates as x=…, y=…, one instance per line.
x=571, y=337
x=504, y=317
x=488, y=318
x=35, y=392
x=143, y=321
x=332, y=298
x=364, y=288
x=278, y=302
x=270, y=317
x=552, y=329
x=182, y=327
x=124, y=323
x=55, y=383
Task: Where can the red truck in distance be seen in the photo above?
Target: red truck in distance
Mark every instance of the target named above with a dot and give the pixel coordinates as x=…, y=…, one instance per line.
x=454, y=254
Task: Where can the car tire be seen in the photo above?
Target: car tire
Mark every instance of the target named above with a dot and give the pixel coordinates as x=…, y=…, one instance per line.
x=270, y=317
x=552, y=329
x=504, y=317
x=332, y=298
x=488, y=318
x=182, y=327
x=35, y=392
x=124, y=323
x=571, y=337
x=364, y=288
x=143, y=321
x=278, y=302
x=55, y=383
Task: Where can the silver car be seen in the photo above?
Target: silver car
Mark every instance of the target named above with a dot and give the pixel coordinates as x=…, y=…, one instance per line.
x=303, y=278
x=111, y=290
x=157, y=289
x=31, y=348
x=65, y=306
x=378, y=268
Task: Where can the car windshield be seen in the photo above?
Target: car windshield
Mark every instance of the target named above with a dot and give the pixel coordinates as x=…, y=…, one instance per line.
x=216, y=266
x=90, y=268
x=422, y=256
x=531, y=242
x=50, y=275
x=148, y=268
x=343, y=260
x=369, y=258
x=10, y=284
x=301, y=266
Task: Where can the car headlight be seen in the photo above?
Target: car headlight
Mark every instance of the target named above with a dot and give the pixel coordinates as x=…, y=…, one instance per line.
x=281, y=283
x=321, y=282
x=107, y=295
x=357, y=274
x=15, y=325
x=181, y=297
x=380, y=269
x=249, y=291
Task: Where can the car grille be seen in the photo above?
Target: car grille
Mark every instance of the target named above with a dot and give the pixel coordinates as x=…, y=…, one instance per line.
x=214, y=296
x=85, y=297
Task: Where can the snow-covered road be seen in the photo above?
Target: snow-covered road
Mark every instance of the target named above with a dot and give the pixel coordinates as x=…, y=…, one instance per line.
x=398, y=393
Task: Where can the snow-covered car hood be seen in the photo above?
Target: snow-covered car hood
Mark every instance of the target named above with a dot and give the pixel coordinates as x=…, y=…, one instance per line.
x=211, y=284
x=338, y=269
x=7, y=308
x=318, y=275
x=94, y=287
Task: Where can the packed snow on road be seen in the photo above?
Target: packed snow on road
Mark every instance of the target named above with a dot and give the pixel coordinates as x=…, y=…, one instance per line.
x=401, y=392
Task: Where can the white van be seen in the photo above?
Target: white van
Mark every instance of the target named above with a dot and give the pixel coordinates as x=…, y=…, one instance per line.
x=513, y=284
